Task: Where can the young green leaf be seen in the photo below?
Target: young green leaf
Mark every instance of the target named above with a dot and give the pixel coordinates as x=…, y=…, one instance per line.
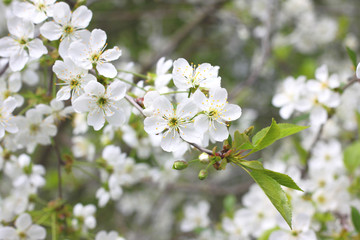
x=266, y=137
x=285, y=129
x=252, y=164
x=274, y=192
x=355, y=218
x=352, y=56
x=241, y=141
x=282, y=179
x=352, y=156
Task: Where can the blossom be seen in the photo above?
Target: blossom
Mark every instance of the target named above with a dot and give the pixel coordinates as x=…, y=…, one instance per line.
x=84, y=216
x=102, y=235
x=291, y=97
x=186, y=76
x=25, y=230
x=34, y=10
x=74, y=77
x=162, y=77
x=195, y=216
x=102, y=103
x=21, y=44
x=173, y=124
x=6, y=118
x=215, y=113
x=91, y=53
x=67, y=26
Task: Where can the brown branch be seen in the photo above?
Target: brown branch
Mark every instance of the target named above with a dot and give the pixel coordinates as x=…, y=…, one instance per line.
x=4, y=69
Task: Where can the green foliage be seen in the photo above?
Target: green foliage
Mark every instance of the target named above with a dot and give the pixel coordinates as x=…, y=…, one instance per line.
x=352, y=156
x=253, y=165
x=229, y=204
x=352, y=56
x=282, y=179
x=355, y=218
x=242, y=141
x=275, y=193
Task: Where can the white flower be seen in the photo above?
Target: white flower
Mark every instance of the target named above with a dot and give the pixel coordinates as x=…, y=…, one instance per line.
x=56, y=111
x=236, y=227
x=300, y=230
x=102, y=235
x=34, y=129
x=82, y=147
x=195, y=216
x=216, y=112
x=91, y=53
x=86, y=215
x=290, y=97
x=74, y=77
x=25, y=230
x=66, y=25
x=32, y=174
x=173, y=124
x=6, y=117
x=33, y=10
x=323, y=86
x=186, y=76
x=28, y=75
x=20, y=44
x=102, y=103
x=162, y=77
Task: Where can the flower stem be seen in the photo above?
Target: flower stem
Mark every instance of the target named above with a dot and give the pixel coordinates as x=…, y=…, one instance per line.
x=133, y=73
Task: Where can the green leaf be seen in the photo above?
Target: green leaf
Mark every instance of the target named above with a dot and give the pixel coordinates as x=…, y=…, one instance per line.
x=242, y=141
x=252, y=164
x=352, y=156
x=282, y=179
x=285, y=129
x=266, y=137
x=352, y=56
x=267, y=233
x=355, y=218
x=274, y=192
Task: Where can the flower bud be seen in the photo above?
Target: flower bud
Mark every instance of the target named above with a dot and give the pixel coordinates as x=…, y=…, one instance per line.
x=180, y=165
x=204, y=158
x=203, y=174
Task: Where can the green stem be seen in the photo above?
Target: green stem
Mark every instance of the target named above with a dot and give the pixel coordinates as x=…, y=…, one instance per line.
x=175, y=92
x=133, y=73
x=25, y=109
x=132, y=84
x=87, y=172
x=53, y=226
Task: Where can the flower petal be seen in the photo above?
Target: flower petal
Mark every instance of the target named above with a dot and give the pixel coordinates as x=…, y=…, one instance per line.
x=231, y=112
x=23, y=222
x=97, y=39
x=36, y=48
x=116, y=90
x=94, y=88
x=111, y=54
x=51, y=31
x=81, y=104
x=81, y=17
x=107, y=70
x=96, y=119
x=61, y=13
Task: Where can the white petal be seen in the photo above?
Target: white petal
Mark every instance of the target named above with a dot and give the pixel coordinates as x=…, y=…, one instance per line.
x=97, y=39
x=8, y=46
x=200, y=100
x=94, y=88
x=36, y=48
x=81, y=104
x=280, y=100
x=231, y=112
x=189, y=133
x=154, y=125
x=20, y=28
x=163, y=106
x=63, y=93
x=279, y=235
x=8, y=233
x=79, y=53
x=218, y=131
x=186, y=109
x=9, y=105
x=18, y=60
x=36, y=232
x=182, y=72
x=64, y=47
x=334, y=81
x=61, y=13
x=51, y=31
x=318, y=115
x=81, y=17
x=23, y=222
x=96, y=119
x=111, y=54
x=322, y=73
x=116, y=90
x=170, y=141
x=286, y=111
x=202, y=123
x=218, y=96
x=107, y=70
x=358, y=71
x=117, y=119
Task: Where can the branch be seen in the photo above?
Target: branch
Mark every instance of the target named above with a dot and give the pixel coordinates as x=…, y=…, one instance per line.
x=4, y=69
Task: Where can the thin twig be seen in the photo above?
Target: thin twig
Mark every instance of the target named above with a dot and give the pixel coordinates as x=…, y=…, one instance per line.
x=4, y=69
x=60, y=162
x=51, y=82
x=135, y=104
